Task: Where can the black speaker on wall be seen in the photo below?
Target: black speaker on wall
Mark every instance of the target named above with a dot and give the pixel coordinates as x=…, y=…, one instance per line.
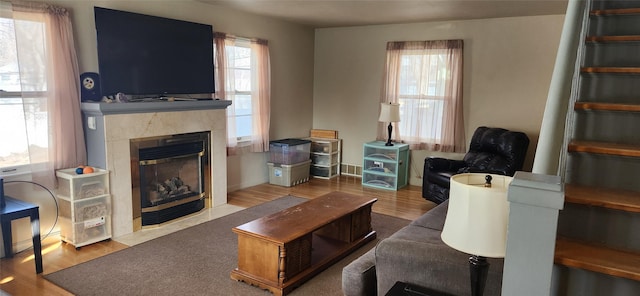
x=90, y=87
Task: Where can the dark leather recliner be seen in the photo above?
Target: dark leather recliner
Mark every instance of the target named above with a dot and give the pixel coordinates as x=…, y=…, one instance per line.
x=492, y=150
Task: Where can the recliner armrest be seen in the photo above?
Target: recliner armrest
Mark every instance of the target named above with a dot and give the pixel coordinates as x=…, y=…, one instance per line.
x=443, y=164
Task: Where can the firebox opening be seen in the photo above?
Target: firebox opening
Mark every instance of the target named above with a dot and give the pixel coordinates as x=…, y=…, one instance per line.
x=169, y=176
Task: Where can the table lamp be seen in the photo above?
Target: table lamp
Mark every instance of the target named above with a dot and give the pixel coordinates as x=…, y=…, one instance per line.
x=476, y=221
x=389, y=112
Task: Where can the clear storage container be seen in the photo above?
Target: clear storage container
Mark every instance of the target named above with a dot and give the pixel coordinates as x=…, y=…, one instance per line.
x=289, y=151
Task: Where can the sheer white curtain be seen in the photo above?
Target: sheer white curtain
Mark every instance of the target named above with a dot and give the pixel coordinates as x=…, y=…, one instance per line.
x=261, y=89
x=49, y=87
x=425, y=78
x=248, y=118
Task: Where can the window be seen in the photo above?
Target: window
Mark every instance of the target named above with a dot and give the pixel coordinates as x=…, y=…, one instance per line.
x=238, y=86
x=242, y=76
x=39, y=97
x=22, y=89
x=425, y=78
x=420, y=89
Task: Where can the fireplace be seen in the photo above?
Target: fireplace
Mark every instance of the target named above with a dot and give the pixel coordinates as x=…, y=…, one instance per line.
x=169, y=176
x=109, y=129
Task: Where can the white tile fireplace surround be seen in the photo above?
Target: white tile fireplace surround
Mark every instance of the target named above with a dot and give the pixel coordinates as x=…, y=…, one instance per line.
x=110, y=126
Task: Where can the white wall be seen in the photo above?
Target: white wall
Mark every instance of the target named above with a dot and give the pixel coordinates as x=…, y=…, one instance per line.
x=507, y=69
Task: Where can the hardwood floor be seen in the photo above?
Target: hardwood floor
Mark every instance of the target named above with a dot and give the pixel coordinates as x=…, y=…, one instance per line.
x=17, y=275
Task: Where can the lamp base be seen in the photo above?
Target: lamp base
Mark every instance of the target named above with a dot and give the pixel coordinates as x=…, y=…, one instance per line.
x=479, y=269
x=389, y=129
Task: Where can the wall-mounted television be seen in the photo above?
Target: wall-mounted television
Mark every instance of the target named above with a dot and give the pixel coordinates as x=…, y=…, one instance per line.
x=153, y=56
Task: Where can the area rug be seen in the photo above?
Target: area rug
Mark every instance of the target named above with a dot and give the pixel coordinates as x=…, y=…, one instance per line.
x=198, y=261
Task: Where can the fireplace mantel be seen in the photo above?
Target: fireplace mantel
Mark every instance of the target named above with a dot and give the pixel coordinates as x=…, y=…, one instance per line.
x=109, y=127
x=100, y=108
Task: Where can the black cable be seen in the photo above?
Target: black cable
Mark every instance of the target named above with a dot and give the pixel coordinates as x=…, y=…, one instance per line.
x=54, y=200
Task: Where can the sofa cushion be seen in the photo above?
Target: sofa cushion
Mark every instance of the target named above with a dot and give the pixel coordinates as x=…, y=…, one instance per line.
x=430, y=263
x=434, y=218
x=416, y=254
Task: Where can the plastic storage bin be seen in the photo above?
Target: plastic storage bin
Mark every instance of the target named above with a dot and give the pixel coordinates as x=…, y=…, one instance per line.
x=324, y=160
x=87, y=232
x=325, y=157
x=72, y=185
x=324, y=145
x=84, y=205
x=385, y=167
x=289, y=175
x=85, y=209
x=324, y=172
x=289, y=151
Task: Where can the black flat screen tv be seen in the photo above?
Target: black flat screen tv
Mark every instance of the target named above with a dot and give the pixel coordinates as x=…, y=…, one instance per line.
x=152, y=56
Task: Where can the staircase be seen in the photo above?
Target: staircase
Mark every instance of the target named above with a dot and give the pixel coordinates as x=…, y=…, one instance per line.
x=598, y=245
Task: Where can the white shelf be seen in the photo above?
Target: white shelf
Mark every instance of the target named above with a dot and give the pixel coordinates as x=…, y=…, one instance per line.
x=325, y=157
x=84, y=206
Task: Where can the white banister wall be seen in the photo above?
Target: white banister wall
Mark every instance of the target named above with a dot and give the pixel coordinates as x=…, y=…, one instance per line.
x=534, y=203
x=550, y=143
x=536, y=198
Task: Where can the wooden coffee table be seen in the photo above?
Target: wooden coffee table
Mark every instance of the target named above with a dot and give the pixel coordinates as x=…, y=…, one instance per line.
x=281, y=251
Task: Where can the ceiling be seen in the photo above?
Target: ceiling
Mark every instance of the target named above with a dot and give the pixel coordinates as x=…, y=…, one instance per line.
x=343, y=13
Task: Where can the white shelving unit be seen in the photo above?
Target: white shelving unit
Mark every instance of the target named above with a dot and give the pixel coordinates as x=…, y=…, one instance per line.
x=325, y=157
x=84, y=205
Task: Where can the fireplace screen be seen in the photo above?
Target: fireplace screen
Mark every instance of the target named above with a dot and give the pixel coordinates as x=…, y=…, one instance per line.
x=171, y=177
x=170, y=173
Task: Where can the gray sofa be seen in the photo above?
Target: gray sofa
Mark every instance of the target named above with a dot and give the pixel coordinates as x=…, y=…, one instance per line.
x=415, y=254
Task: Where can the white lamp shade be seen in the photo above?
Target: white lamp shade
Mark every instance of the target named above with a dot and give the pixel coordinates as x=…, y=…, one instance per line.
x=477, y=217
x=389, y=112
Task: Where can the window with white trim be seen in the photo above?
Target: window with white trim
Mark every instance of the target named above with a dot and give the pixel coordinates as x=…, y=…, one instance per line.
x=243, y=77
x=239, y=87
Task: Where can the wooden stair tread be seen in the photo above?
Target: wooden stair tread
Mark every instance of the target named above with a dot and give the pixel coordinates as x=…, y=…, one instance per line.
x=613, y=70
x=617, y=199
x=622, y=38
x=605, y=148
x=596, y=258
x=618, y=11
x=606, y=106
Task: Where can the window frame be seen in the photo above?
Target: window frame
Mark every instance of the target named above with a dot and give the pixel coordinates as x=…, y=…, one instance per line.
x=425, y=78
x=243, y=43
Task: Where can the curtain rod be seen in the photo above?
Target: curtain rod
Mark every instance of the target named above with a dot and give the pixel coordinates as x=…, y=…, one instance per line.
x=231, y=36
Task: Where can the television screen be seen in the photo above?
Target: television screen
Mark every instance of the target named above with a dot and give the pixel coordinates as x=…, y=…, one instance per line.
x=147, y=55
